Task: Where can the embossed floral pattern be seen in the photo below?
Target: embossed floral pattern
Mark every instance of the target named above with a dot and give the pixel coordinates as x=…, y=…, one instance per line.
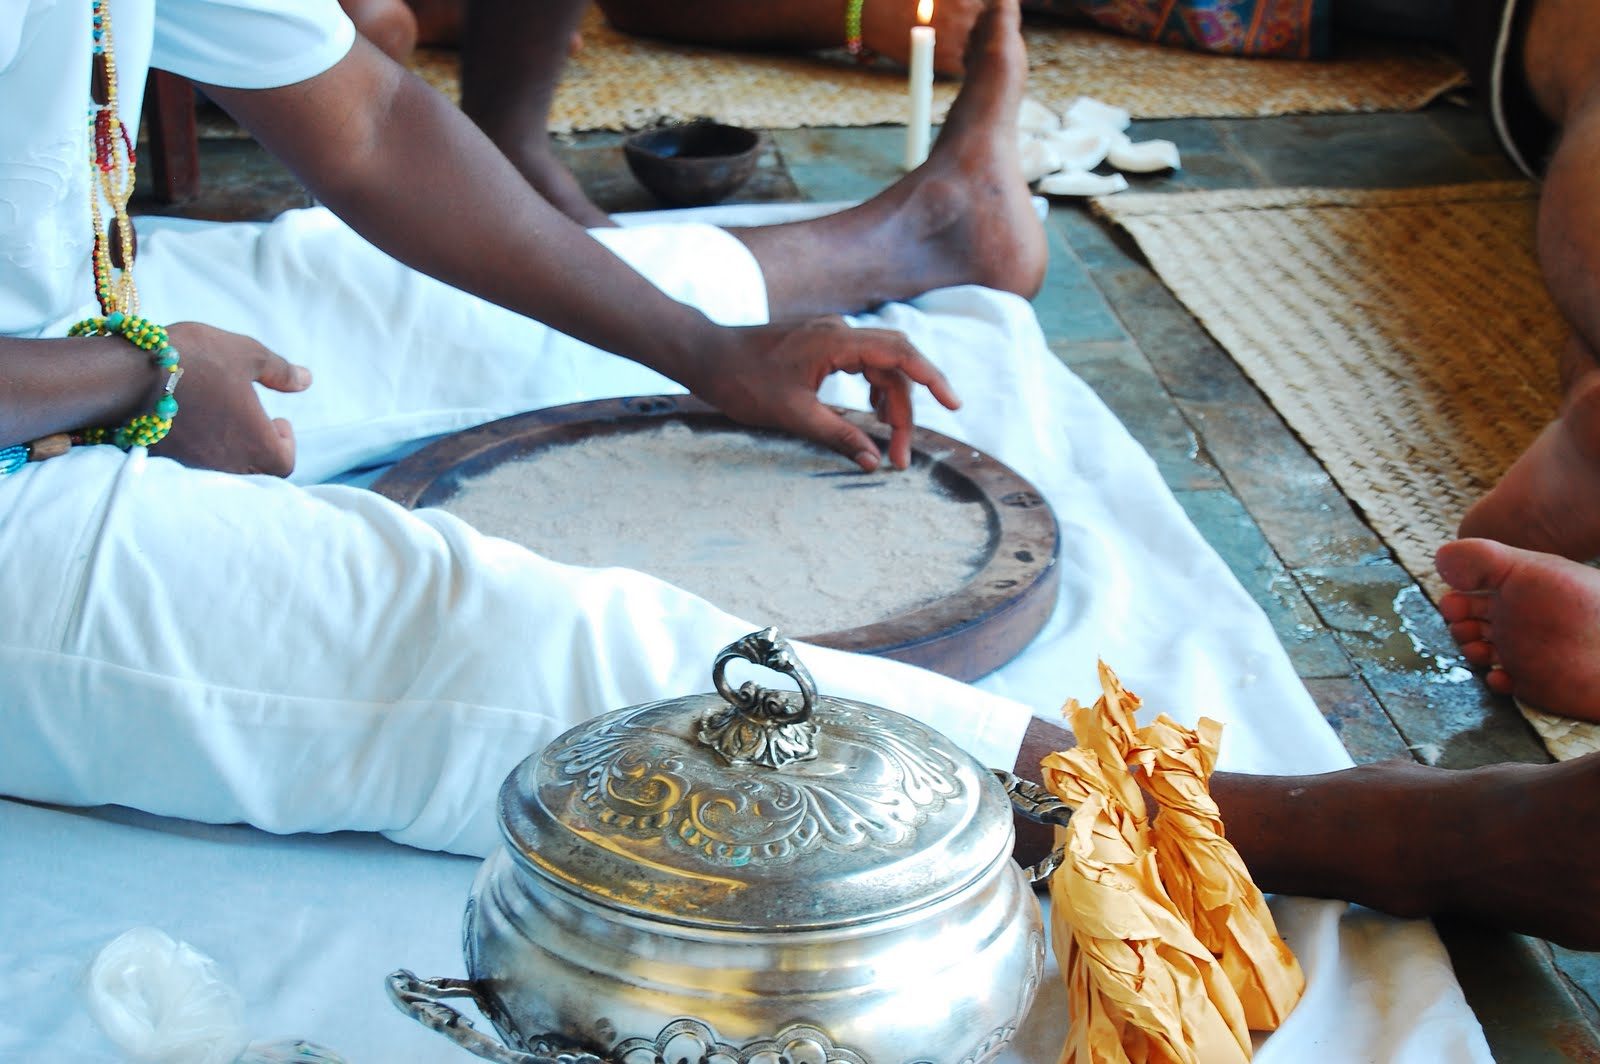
x=876, y=789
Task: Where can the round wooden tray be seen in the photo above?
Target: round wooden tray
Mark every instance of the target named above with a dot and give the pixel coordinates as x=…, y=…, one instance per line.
x=966, y=634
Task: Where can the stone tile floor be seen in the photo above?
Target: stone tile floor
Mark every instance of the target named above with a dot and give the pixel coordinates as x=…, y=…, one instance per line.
x=1360, y=632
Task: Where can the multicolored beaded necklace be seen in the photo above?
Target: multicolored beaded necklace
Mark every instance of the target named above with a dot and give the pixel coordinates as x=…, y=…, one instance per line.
x=111, y=159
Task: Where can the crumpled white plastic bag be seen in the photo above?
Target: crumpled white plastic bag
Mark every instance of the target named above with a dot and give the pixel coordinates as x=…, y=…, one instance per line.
x=163, y=1001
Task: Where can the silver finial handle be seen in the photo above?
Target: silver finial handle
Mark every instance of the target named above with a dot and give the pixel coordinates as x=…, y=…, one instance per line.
x=761, y=726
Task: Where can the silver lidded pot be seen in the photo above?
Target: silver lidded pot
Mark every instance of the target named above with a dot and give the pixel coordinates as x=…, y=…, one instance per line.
x=749, y=877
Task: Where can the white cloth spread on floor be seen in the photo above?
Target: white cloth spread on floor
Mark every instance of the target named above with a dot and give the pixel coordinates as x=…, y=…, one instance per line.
x=314, y=659
x=369, y=618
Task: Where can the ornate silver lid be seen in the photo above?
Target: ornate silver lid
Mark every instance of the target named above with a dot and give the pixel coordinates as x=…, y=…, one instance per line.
x=756, y=809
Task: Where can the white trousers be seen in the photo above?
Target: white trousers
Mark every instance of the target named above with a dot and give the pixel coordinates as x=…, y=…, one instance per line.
x=313, y=658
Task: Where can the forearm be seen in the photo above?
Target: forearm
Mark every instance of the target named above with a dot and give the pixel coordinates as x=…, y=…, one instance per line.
x=61, y=385
x=1346, y=834
x=411, y=174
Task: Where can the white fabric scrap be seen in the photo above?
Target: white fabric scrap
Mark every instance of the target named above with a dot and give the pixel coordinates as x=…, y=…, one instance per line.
x=1145, y=157
x=1039, y=157
x=1035, y=117
x=1061, y=152
x=1081, y=147
x=1082, y=183
x=1086, y=111
x=162, y=1000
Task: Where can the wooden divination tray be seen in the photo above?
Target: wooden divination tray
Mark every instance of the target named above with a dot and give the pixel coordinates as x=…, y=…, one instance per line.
x=965, y=634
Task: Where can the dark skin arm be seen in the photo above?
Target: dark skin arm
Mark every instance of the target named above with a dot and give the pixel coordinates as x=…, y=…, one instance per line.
x=1502, y=845
x=62, y=385
x=1314, y=836
x=368, y=139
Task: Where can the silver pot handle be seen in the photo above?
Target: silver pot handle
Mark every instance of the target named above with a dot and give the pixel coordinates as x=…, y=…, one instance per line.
x=421, y=1000
x=1033, y=801
x=759, y=726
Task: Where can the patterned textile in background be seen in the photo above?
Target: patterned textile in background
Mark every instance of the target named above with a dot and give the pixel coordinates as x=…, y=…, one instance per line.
x=1279, y=29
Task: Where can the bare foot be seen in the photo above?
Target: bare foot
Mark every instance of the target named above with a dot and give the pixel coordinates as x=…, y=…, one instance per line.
x=965, y=216
x=995, y=232
x=1549, y=500
x=1532, y=619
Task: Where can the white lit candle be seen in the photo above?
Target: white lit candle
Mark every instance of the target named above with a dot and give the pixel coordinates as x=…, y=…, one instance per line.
x=917, y=125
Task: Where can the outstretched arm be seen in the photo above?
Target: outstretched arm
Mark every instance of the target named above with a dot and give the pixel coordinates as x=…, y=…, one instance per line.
x=413, y=175
x=1496, y=844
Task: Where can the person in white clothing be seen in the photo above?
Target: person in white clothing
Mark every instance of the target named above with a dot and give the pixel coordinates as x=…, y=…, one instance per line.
x=225, y=647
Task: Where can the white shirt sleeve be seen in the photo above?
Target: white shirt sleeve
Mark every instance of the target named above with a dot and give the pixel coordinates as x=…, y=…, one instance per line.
x=250, y=44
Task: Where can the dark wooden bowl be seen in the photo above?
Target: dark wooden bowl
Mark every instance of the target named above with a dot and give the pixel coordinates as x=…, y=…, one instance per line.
x=965, y=635
x=693, y=165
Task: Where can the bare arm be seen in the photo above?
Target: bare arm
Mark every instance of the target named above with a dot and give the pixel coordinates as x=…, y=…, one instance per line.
x=403, y=167
x=1332, y=835
x=1503, y=844
x=413, y=175
x=61, y=385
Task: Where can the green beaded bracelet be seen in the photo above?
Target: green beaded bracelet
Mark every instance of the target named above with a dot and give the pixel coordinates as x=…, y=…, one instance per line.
x=142, y=430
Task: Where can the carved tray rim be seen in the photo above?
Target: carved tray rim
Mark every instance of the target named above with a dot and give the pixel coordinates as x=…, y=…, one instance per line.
x=966, y=634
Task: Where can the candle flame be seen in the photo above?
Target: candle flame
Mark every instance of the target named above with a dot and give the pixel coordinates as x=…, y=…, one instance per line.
x=924, y=11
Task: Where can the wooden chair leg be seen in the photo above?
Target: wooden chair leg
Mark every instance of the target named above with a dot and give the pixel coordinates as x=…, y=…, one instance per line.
x=173, y=143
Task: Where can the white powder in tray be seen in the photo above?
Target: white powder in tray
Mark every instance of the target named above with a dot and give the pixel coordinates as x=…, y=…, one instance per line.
x=773, y=530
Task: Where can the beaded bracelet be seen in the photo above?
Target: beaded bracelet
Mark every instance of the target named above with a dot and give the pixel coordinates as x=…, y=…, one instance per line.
x=13, y=458
x=142, y=430
x=18, y=455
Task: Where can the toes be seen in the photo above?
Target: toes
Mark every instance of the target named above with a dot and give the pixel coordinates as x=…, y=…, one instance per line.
x=1472, y=630
x=1481, y=654
x=1460, y=606
x=1475, y=564
x=1499, y=681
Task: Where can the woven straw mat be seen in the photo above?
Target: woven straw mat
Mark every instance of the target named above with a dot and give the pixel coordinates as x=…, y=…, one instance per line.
x=622, y=82
x=1361, y=316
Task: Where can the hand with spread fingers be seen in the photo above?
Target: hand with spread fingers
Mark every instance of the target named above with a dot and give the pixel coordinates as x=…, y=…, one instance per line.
x=769, y=376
